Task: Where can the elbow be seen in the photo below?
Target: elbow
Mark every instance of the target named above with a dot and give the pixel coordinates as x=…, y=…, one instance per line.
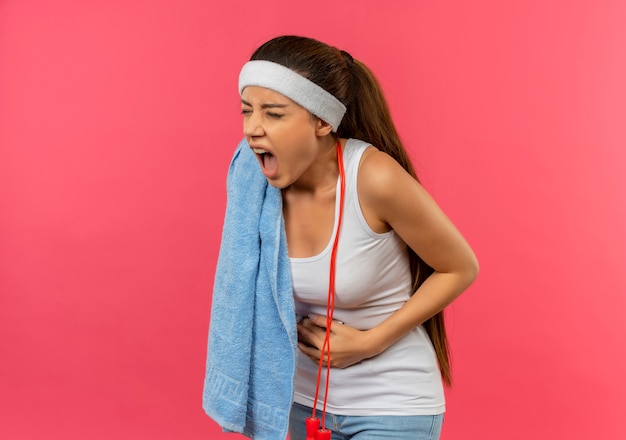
x=466, y=271
x=471, y=270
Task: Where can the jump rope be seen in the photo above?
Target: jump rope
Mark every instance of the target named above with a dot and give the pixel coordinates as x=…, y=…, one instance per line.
x=313, y=430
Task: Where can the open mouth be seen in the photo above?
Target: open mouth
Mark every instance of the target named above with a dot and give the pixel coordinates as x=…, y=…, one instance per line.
x=268, y=161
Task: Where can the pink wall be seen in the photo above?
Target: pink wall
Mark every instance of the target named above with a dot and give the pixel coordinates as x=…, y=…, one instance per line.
x=117, y=121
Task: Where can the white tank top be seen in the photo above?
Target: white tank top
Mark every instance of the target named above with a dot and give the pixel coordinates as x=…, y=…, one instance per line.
x=372, y=282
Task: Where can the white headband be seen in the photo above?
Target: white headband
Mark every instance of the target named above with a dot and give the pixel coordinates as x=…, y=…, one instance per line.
x=300, y=90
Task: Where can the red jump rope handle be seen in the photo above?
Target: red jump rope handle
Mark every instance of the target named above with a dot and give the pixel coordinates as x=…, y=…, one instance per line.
x=312, y=426
x=322, y=434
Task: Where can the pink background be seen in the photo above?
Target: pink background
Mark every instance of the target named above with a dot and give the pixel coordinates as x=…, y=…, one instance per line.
x=117, y=122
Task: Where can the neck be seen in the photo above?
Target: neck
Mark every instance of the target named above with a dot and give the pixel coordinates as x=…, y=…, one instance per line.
x=322, y=174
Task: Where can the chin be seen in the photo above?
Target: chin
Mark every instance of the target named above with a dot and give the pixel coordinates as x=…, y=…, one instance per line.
x=277, y=183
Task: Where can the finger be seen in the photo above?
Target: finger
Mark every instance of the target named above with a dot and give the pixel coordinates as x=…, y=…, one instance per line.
x=322, y=321
x=310, y=336
x=312, y=352
x=313, y=322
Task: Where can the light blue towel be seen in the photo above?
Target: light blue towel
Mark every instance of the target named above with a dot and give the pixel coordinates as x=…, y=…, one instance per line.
x=250, y=367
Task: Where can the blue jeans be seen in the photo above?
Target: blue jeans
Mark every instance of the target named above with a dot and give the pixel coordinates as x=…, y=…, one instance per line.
x=368, y=427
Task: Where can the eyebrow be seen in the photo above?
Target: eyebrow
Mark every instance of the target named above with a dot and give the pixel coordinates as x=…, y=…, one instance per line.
x=268, y=105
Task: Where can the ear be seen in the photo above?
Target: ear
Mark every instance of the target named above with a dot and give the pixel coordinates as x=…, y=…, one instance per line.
x=322, y=128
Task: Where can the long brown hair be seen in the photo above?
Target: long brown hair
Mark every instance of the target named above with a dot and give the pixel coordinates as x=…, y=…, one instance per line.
x=368, y=119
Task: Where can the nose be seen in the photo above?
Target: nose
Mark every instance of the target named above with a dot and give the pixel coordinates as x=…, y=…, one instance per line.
x=252, y=126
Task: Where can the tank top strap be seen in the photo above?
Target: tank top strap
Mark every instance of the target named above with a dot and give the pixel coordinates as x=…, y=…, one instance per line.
x=352, y=153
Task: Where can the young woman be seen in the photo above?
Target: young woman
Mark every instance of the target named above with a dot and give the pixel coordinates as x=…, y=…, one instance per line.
x=321, y=130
